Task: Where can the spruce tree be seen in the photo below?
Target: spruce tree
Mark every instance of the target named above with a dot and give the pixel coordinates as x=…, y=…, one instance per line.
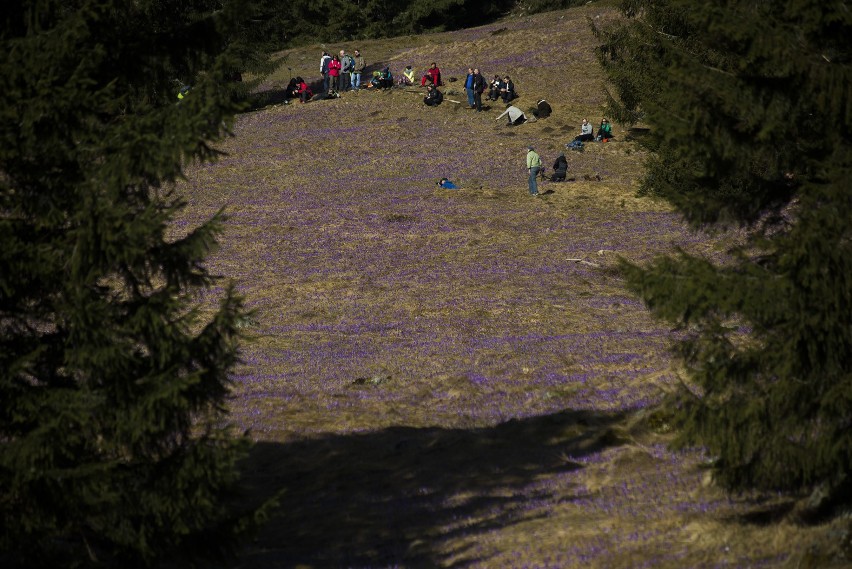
x=749, y=105
x=114, y=375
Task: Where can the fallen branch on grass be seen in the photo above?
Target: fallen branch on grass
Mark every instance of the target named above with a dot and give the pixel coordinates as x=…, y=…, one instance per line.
x=583, y=262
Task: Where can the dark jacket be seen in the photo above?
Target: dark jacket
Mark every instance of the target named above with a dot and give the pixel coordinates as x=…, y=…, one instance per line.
x=478, y=83
x=434, y=97
x=561, y=164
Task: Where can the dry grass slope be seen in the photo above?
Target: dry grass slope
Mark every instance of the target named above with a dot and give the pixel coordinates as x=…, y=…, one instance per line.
x=436, y=381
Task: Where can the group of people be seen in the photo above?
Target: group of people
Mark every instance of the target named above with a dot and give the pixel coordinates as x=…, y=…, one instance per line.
x=501, y=89
x=560, y=169
x=474, y=86
x=587, y=134
x=341, y=72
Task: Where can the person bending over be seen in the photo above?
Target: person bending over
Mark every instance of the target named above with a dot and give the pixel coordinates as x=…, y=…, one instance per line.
x=560, y=169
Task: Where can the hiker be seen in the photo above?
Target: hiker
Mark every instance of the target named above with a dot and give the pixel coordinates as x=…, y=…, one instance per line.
x=516, y=115
x=407, y=77
x=605, y=131
x=334, y=67
x=494, y=88
x=432, y=74
x=533, y=165
x=478, y=88
x=345, y=70
x=433, y=96
x=585, y=132
x=303, y=90
x=507, y=90
x=446, y=184
x=357, y=70
x=468, y=88
x=560, y=168
x=324, y=61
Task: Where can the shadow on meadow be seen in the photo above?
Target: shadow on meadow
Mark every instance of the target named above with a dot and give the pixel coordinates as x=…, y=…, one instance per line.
x=401, y=495
x=277, y=94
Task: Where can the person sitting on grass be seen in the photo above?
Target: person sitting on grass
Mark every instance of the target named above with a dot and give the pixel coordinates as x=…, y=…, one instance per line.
x=507, y=90
x=446, y=184
x=292, y=90
x=605, y=131
x=407, y=77
x=303, y=90
x=386, y=78
x=585, y=132
x=433, y=96
x=494, y=88
x=560, y=169
x=432, y=75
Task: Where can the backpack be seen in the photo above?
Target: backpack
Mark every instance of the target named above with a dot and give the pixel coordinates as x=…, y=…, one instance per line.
x=575, y=145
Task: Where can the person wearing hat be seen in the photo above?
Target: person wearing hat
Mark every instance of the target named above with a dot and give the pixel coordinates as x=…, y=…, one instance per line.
x=533, y=165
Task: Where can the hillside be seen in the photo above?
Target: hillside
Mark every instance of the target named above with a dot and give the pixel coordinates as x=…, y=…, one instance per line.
x=458, y=378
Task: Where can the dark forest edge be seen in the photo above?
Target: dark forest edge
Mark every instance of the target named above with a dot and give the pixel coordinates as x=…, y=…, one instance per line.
x=288, y=23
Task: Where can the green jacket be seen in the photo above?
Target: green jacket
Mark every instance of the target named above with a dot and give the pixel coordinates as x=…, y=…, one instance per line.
x=533, y=160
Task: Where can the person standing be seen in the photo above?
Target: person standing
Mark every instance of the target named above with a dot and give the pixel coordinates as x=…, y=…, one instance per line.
x=357, y=70
x=324, y=61
x=468, y=87
x=533, y=165
x=334, y=73
x=478, y=88
x=346, y=65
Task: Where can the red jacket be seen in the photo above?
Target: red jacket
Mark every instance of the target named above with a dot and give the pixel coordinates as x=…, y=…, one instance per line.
x=436, y=75
x=334, y=68
x=303, y=88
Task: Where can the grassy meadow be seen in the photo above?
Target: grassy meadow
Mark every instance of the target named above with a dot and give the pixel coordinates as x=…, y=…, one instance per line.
x=458, y=378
